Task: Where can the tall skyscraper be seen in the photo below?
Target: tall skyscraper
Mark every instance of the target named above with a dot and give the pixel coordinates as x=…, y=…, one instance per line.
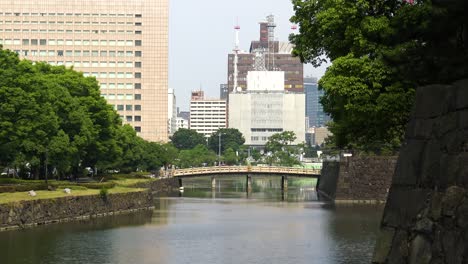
x=314, y=109
x=275, y=56
x=124, y=44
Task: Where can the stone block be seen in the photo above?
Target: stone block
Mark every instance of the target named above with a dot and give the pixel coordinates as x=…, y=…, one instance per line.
x=420, y=250
x=452, y=199
x=408, y=169
x=431, y=158
x=462, y=94
x=433, y=101
x=383, y=245
x=404, y=204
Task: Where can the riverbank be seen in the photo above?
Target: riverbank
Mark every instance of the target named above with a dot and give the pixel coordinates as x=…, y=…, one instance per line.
x=19, y=210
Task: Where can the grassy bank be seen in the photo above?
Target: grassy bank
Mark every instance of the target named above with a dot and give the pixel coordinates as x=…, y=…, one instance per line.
x=120, y=184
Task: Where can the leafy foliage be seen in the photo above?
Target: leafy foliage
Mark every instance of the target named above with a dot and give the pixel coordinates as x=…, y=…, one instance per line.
x=187, y=139
x=280, y=150
x=231, y=138
x=381, y=50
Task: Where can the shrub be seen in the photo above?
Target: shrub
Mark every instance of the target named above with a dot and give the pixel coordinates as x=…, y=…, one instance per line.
x=103, y=193
x=98, y=185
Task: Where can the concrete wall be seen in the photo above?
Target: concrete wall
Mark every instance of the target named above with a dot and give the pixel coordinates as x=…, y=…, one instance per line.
x=358, y=179
x=426, y=215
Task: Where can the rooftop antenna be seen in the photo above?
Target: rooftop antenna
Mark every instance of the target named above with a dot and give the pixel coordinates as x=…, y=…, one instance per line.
x=236, y=57
x=271, y=40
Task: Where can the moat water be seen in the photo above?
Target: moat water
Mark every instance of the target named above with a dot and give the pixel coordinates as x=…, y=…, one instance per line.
x=202, y=226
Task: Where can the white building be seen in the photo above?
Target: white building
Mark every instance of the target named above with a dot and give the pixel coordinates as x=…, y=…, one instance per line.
x=207, y=115
x=171, y=112
x=265, y=109
x=181, y=123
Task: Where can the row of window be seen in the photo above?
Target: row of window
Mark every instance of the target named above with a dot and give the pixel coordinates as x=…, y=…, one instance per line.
x=257, y=138
x=70, y=42
x=131, y=118
x=127, y=107
x=121, y=96
x=80, y=53
x=127, y=75
x=68, y=31
x=16, y=22
x=120, y=86
x=69, y=14
x=266, y=129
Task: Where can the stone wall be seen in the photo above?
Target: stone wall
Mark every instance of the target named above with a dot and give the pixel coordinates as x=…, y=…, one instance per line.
x=358, y=178
x=162, y=186
x=36, y=212
x=426, y=215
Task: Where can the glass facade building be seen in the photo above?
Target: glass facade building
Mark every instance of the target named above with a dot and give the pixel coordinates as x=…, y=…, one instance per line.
x=314, y=110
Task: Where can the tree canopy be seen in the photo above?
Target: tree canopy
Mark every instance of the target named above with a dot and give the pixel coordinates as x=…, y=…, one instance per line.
x=184, y=139
x=380, y=50
x=231, y=138
x=52, y=116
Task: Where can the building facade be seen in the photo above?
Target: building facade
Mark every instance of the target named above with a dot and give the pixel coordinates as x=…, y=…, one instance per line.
x=265, y=109
x=171, y=112
x=123, y=44
x=223, y=91
x=276, y=56
x=313, y=108
x=207, y=115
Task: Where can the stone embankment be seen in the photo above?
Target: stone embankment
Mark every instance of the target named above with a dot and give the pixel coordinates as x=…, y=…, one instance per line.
x=357, y=179
x=426, y=215
x=46, y=211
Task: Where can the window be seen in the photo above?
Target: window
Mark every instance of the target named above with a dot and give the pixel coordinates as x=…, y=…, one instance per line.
x=52, y=42
x=60, y=53
x=138, y=32
x=129, y=107
x=77, y=53
x=86, y=53
x=129, y=97
x=43, y=42
x=137, y=15
x=137, y=43
x=120, y=86
x=111, y=53
x=137, y=107
x=138, y=64
x=129, y=43
x=69, y=42
x=137, y=53
x=137, y=24
x=34, y=42
x=129, y=53
x=103, y=85
x=120, y=96
x=137, y=96
x=138, y=129
x=120, y=107
x=103, y=53
x=69, y=53
x=137, y=118
x=138, y=75
x=95, y=53
x=137, y=85
x=25, y=41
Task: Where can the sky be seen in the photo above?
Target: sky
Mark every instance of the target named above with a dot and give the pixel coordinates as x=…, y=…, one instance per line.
x=201, y=34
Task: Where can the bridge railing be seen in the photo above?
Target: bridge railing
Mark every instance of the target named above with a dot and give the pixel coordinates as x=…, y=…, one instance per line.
x=244, y=169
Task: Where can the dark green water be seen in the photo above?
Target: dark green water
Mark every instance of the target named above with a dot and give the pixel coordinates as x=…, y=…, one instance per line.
x=226, y=226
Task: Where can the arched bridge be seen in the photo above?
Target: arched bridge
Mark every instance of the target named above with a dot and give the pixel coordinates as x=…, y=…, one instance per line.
x=248, y=171
x=206, y=171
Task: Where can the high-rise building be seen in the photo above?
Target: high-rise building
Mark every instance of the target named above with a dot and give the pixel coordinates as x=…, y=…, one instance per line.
x=223, y=91
x=314, y=109
x=123, y=44
x=171, y=112
x=275, y=55
x=265, y=109
x=183, y=119
x=206, y=115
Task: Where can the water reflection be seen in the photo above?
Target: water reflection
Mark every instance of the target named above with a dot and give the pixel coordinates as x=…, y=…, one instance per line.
x=224, y=225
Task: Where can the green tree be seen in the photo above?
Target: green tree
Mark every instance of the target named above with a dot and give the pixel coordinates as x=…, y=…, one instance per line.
x=230, y=138
x=280, y=150
x=187, y=139
x=196, y=157
x=230, y=157
x=381, y=51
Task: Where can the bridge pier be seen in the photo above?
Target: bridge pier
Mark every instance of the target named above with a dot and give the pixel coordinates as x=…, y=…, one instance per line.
x=180, y=183
x=213, y=183
x=248, y=186
x=284, y=183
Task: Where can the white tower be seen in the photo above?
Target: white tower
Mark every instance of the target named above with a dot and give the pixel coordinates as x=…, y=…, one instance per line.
x=236, y=58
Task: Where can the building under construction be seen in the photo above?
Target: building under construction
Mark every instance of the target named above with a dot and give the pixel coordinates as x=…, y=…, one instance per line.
x=269, y=53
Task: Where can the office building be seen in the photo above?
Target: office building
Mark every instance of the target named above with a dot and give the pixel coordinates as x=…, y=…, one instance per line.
x=123, y=44
x=171, y=112
x=314, y=109
x=275, y=56
x=223, y=91
x=206, y=115
x=265, y=108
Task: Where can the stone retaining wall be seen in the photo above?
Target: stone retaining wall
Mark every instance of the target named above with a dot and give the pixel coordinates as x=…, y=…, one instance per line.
x=44, y=211
x=426, y=215
x=358, y=179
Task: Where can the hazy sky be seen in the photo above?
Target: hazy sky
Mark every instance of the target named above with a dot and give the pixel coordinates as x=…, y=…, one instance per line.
x=201, y=35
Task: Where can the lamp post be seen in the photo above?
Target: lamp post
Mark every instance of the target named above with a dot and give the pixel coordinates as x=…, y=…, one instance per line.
x=219, y=149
